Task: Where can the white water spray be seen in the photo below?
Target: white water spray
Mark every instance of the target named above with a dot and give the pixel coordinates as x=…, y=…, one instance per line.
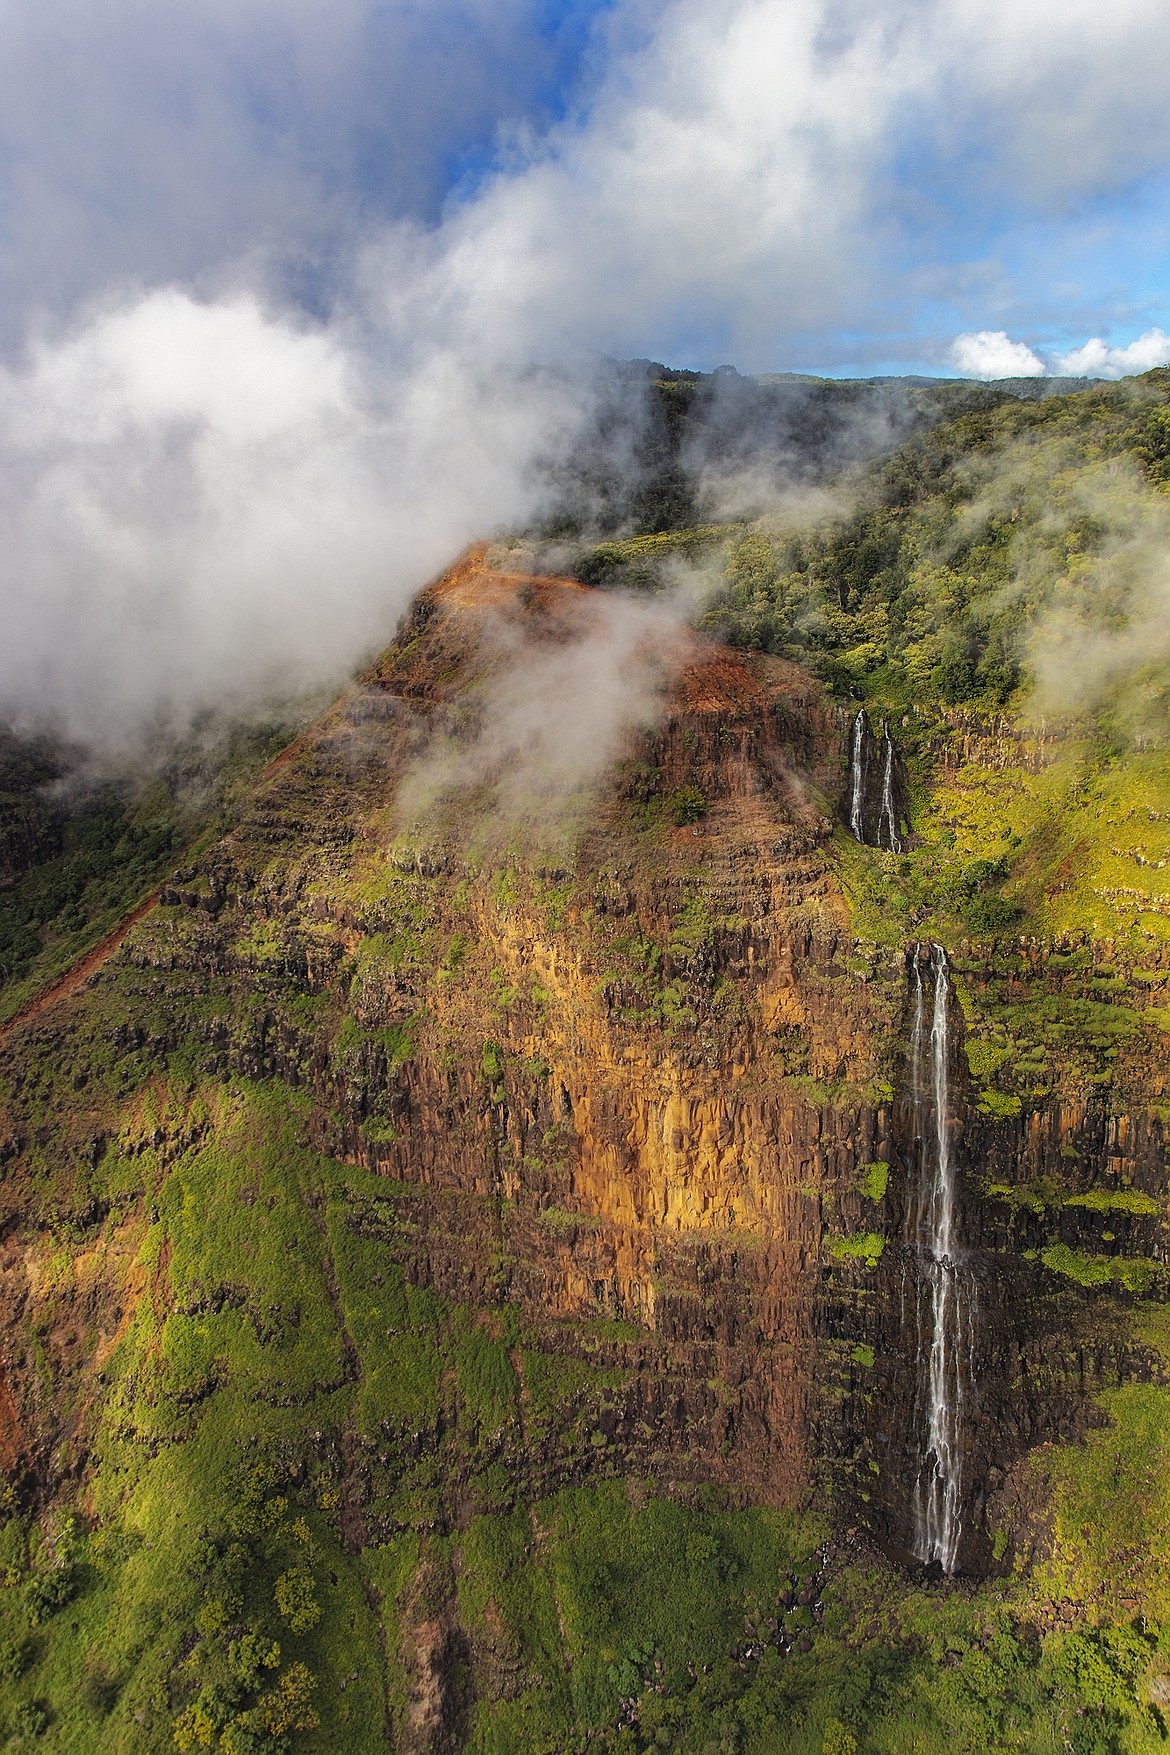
x=945, y=1297
x=888, y=819
x=857, y=778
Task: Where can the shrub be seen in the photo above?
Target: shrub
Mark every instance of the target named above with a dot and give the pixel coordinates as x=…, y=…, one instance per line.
x=1154, y=449
x=992, y=914
x=289, y=1707
x=981, y=874
x=193, y=1729
x=296, y=1600
x=864, y=1246
x=99, y=1689
x=1003, y=1105
x=984, y=1058
x=1060, y=1259
x=874, y=1180
x=250, y=1654
x=247, y=1734
x=31, y=1718
x=689, y=805
x=16, y=1656
x=49, y=1591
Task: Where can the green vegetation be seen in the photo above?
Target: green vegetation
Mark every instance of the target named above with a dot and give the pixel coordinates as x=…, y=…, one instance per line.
x=866, y=1246
x=907, y=599
x=636, y=563
x=873, y=1180
x=1129, y=1273
x=688, y=805
x=1109, y=1505
x=107, y=862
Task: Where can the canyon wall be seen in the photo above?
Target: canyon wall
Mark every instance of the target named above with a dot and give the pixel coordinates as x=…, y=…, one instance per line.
x=628, y=1072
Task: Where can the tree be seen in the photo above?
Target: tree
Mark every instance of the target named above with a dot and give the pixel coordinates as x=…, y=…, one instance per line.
x=837, y=1740
x=295, y=1599
x=289, y=1707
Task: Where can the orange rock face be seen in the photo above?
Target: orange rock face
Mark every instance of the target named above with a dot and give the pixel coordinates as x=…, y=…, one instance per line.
x=656, y=1145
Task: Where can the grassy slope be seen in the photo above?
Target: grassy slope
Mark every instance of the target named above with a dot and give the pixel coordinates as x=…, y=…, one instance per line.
x=271, y=1333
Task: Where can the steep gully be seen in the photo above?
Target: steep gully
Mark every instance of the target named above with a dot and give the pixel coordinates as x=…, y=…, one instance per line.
x=876, y=811
x=941, y=1289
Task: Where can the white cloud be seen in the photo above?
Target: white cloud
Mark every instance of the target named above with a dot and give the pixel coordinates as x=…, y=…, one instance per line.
x=1097, y=359
x=198, y=487
x=734, y=184
x=202, y=501
x=738, y=188
x=990, y=353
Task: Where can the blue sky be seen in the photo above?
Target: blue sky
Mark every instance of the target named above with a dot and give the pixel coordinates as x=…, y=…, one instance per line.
x=987, y=168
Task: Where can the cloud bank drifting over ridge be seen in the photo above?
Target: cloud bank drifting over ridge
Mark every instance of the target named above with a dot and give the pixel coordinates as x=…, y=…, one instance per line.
x=280, y=269
x=991, y=353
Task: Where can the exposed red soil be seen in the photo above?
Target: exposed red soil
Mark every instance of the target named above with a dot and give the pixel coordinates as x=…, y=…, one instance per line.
x=80, y=973
x=708, y=679
x=716, y=682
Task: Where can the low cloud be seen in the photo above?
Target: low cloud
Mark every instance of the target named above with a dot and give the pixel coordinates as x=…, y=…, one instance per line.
x=1097, y=359
x=1089, y=545
x=990, y=353
x=203, y=502
x=562, y=690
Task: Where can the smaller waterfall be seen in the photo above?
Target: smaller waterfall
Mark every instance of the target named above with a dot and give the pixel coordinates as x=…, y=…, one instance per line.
x=888, y=816
x=945, y=1304
x=857, y=776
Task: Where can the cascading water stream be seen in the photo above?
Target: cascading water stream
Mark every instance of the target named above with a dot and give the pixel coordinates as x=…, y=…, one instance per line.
x=857, y=777
x=888, y=818
x=945, y=1292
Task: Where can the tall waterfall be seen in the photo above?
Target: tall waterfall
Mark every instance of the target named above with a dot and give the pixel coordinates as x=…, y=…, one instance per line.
x=945, y=1302
x=857, y=776
x=888, y=816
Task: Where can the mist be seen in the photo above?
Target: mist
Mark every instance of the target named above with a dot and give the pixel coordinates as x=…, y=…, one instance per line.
x=561, y=691
x=202, y=504
x=1089, y=575
x=295, y=304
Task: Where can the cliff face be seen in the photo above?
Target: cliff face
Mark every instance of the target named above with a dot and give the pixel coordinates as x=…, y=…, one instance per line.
x=1057, y=1207
x=618, y=1090
x=611, y=1074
